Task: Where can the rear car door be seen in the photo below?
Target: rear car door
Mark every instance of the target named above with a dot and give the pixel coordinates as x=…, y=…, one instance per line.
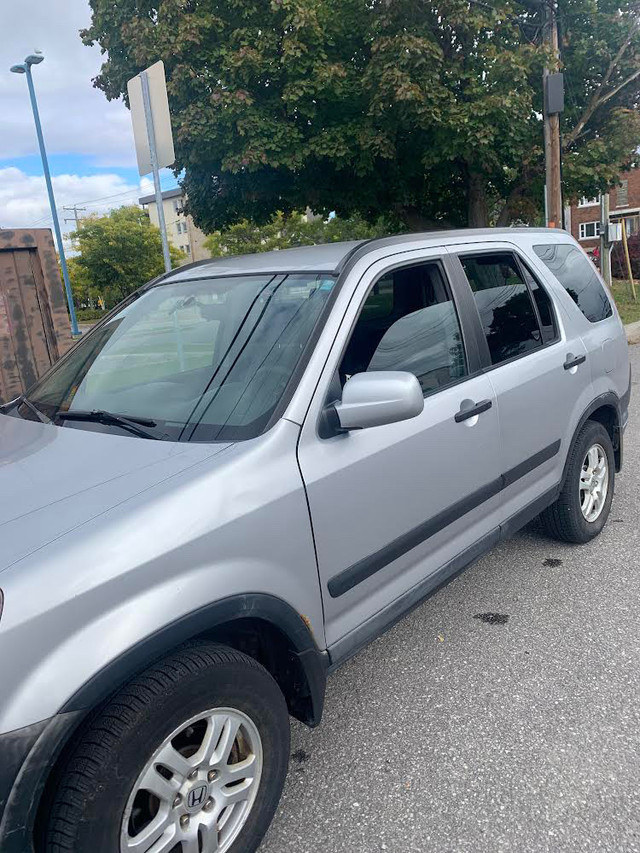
x=391, y=505
x=537, y=367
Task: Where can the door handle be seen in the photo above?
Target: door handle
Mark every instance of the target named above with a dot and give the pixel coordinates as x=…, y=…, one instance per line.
x=476, y=409
x=573, y=360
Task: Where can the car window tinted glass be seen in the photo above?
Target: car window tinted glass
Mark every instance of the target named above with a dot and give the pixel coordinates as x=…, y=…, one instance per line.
x=380, y=301
x=576, y=274
x=206, y=360
x=420, y=333
x=506, y=311
x=544, y=305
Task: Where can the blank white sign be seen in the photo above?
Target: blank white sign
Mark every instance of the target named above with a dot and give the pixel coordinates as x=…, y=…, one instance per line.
x=161, y=119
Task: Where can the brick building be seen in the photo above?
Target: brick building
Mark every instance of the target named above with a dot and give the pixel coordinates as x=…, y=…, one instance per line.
x=624, y=202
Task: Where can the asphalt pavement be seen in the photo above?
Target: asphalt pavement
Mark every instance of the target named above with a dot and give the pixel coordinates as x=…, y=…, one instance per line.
x=520, y=733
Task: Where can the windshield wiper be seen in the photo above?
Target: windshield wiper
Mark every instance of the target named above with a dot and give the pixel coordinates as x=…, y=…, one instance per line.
x=99, y=416
x=24, y=401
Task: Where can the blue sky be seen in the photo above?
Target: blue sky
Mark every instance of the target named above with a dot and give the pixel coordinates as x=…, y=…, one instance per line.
x=89, y=139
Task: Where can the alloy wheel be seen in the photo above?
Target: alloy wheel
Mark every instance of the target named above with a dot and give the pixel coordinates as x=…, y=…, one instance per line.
x=594, y=482
x=195, y=793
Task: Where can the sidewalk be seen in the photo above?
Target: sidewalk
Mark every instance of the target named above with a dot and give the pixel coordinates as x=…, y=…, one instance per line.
x=633, y=332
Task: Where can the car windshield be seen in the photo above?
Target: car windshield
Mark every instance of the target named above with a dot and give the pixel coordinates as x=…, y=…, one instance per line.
x=201, y=360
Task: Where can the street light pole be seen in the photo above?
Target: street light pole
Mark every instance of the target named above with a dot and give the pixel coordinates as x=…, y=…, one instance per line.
x=25, y=68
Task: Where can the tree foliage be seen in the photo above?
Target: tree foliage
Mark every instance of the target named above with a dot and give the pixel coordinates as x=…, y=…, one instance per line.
x=429, y=112
x=117, y=254
x=285, y=232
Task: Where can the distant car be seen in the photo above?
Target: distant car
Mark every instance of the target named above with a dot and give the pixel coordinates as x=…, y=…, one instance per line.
x=248, y=470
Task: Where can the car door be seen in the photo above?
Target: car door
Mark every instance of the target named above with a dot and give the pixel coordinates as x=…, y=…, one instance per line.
x=536, y=366
x=392, y=505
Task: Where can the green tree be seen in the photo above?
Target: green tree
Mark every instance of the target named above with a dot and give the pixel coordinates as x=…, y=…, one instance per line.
x=429, y=112
x=117, y=254
x=285, y=232
x=85, y=295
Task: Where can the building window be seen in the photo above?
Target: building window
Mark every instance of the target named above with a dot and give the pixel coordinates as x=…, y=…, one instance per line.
x=589, y=230
x=187, y=249
x=622, y=194
x=176, y=204
x=588, y=202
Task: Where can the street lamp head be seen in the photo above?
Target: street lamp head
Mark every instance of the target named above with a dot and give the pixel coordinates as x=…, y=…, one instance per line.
x=18, y=69
x=34, y=58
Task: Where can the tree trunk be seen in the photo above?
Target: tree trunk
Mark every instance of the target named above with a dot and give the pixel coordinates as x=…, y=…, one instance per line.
x=505, y=215
x=477, y=204
x=415, y=221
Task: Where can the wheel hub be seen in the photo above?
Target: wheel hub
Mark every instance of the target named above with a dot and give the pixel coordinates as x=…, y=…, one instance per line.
x=196, y=797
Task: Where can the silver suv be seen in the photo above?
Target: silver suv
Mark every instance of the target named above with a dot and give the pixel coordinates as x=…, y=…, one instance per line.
x=247, y=471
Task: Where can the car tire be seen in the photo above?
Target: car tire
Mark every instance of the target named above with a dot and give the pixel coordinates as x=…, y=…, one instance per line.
x=126, y=770
x=566, y=519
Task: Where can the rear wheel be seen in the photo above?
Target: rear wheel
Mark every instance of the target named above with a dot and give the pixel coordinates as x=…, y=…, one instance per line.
x=190, y=757
x=582, y=508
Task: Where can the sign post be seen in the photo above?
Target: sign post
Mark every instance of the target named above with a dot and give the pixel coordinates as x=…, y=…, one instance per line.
x=152, y=133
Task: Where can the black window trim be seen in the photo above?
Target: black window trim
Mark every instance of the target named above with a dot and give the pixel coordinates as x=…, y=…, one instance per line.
x=483, y=346
x=524, y=266
x=458, y=297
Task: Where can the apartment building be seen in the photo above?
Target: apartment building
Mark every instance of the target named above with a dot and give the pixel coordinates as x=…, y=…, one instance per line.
x=624, y=203
x=181, y=229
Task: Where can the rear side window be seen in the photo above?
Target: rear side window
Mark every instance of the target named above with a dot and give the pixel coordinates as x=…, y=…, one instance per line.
x=507, y=312
x=578, y=277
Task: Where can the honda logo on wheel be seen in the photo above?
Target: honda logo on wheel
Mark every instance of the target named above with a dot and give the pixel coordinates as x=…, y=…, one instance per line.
x=197, y=797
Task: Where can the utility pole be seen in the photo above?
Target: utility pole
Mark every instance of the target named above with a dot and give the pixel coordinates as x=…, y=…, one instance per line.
x=553, y=106
x=75, y=218
x=605, y=243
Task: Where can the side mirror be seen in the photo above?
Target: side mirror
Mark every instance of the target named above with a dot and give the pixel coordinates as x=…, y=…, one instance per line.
x=378, y=398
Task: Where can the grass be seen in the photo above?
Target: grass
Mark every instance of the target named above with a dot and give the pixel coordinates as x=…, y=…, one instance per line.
x=629, y=310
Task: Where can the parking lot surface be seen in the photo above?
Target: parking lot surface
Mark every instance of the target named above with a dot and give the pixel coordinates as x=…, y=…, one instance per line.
x=519, y=733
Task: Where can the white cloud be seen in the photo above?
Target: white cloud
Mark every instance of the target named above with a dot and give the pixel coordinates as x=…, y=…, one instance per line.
x=24, y=202
x=76, y=117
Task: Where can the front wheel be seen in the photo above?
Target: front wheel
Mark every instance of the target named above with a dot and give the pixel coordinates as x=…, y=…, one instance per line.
x=582, y=508
x=190, y=757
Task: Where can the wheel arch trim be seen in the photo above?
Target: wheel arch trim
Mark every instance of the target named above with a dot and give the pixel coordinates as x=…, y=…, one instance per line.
x=610, y=400
x=268, y=608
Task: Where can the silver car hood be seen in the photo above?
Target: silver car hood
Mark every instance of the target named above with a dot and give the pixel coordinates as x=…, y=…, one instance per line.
x=54, y=479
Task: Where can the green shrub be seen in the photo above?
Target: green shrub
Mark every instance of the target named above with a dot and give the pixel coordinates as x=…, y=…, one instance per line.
x=89, y=315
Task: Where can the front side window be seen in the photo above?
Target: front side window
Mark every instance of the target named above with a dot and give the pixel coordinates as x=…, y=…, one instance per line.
x=409, y=322
x=504, y=303
x=203, y=360
x=578, y=277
